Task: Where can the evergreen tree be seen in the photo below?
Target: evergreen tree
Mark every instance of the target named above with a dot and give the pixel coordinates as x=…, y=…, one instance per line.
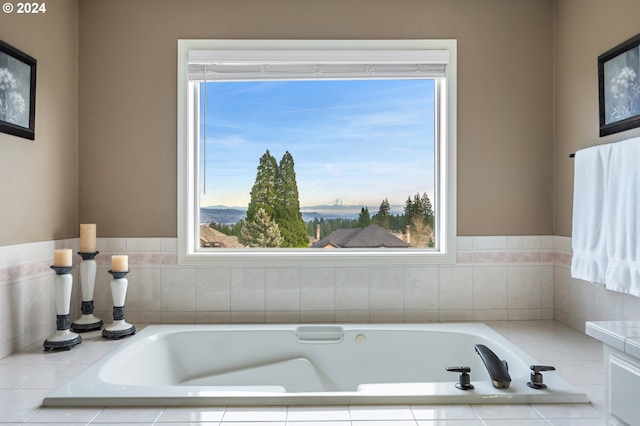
x=364, y=219
x=409, y=211
x=428, y=209
x=225, y=229
x=382, y=217
x=287, y=205
x=261, y=231
x=418, y=215
x=263, y=192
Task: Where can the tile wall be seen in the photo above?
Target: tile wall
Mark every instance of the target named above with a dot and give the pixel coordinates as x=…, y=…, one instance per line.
x=577, y=301
x=495, y=278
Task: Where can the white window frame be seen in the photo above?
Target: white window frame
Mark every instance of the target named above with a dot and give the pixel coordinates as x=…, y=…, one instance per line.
x=323, y=51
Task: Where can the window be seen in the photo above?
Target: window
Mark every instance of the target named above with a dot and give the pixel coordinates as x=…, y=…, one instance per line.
x=362, y=133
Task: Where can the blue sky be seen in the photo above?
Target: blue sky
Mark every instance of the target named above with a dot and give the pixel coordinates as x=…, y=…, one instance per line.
x=356, y=140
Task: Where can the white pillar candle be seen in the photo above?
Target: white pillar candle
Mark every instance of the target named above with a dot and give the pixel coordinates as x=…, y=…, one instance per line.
x=120, y=263
x=62, y=257
x=88, y=238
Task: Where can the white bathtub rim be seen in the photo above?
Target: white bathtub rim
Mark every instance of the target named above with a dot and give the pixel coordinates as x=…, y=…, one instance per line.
x=86, y=390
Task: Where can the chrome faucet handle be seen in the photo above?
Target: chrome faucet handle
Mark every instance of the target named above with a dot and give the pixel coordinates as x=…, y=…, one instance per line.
x=536, y=376
x=465, y=378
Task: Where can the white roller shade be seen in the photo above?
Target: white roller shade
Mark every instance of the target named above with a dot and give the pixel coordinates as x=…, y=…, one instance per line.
x=308, y=64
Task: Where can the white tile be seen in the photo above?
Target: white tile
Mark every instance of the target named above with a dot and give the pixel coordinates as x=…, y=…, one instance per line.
x=308, y=317
x=567, y=411
x=421, y=288
x=455, y=287
x=255, y=414
x=14, y=376
x=351, y=288
x=515, y=411
x=490, y=243
x=490, y=287
x=455, y=315
x=135, y=317
x=546, y=286
x=22, y=253
x=631, y=307
x=128, y=415
x=323, y=413
x=520, y=242
x=561, y=243
x=169, y=245
x=65, y=415
x=317, y=289
x=386, y=288
x=282, y=317
x=525, y=289
x=144, y=244
x=111, y=245
x=145, y=290
x=56, y=376
x=180, y=414
x=213, y=289
x=21, y=404
x=561, y=289
x=13, y=302
x=490, y=314
x=178, y=289
x=583, y=299
x=248, y=317
x=203, y=317
x=247, y=289
x=381, y=412
x=418, y=316
x=282, y=286
x=516, y=422
x=178, y=317
x=352, y=316
x=576, y=422
x=443, y=412
x=547, y=242
x=386, y=316
x=464, y=243
x=524, y=314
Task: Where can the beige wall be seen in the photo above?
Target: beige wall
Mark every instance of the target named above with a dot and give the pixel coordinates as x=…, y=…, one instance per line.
x=585, y=29
x=38, y=185
x=127, y=118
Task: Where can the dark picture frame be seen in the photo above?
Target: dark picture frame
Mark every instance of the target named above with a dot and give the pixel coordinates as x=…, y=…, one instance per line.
x=619, y=87
x=17, y=92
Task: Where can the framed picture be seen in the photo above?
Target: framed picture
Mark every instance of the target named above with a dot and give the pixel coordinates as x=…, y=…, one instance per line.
x=17, y=92
x=619, y=87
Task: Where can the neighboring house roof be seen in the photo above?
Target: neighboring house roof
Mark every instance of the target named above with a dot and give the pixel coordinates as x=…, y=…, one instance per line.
x=373, y=236
x=210, y=237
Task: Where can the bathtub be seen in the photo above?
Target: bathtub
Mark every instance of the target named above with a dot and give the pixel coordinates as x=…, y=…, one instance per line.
x=178, y=365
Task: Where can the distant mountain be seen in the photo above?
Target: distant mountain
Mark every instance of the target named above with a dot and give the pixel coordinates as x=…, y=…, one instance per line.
x=342, y=203
x=337, y=209
x=222, y=215
x=222, y=207
x=337, y=204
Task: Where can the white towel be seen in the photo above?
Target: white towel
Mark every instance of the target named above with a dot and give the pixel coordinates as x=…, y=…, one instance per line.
x=623, y=221
x=589, y=239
